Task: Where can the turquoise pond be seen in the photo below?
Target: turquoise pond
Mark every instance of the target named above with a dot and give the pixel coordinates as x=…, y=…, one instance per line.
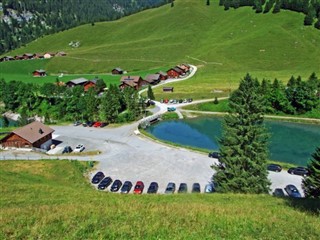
x=290, y=142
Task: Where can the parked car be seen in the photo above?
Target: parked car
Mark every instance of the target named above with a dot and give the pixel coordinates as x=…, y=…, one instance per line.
x=274, y=167
x=171, y=109
x=180, y=100
x=292, y=191
x=103, y=124
x=209, y=188
x=76, y=123
x=84, y=124
x=171, y=188
x=67, y=149
x=105, y=183
x=196, y=188
x=183, y=188
x=97, y=124
x=153, y=188
x=278, y=192
x=79, y=148
x=126, y=187
x=116, y=185
x=138, y=188
x=89, y=123
x=214, y=155
x=97, y=177
x=302, y=171
x=190, y=99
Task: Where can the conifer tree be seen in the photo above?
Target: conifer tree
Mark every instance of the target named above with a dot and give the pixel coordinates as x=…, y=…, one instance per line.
x=311, y=183
x=150, y=93
x=243, y=145
x=208, y=2
x=276, y=7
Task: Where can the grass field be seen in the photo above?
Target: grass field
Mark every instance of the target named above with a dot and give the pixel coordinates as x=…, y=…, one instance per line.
x=265, y=45
x=52, y=200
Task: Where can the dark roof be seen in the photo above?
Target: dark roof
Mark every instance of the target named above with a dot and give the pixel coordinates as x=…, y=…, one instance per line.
x=118, y=69
x=129, y=83
x=40, y=71
x=78, y=81
x=162, y=73
x=152, y=77
x=130, y=78
x=176, y=69
x=33, y=131
x=28, y=54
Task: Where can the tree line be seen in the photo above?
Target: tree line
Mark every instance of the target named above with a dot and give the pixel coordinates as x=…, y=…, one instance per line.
x=24, y=21
x=311, y=8
x=54, y=102
x=242, y=166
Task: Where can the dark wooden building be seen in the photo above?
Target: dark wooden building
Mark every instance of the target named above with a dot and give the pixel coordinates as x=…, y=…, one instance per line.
x=77, y=82
x=163, y=75
x=175, y=72
x=117, y=71
x=153, y=79
x=135, y=82
x=33, y=135
x=39, y=73
x=167, y=89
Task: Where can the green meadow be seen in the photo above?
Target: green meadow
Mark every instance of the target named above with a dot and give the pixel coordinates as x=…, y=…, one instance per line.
x=224, y=45
x=54, y=200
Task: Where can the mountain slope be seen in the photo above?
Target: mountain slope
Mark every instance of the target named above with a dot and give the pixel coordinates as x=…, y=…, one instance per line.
x=226, y=44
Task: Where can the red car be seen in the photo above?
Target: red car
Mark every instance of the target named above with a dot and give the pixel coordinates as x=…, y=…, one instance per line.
x=138, y=189
x=97, y=124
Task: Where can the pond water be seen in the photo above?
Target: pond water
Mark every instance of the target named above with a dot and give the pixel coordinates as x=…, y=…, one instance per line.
x=289, y=142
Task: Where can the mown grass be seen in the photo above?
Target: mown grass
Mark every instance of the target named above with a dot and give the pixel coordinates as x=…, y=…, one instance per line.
x=52, y=200
x=225, y=45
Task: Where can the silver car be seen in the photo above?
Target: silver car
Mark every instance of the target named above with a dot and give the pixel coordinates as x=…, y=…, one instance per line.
x=171, y=188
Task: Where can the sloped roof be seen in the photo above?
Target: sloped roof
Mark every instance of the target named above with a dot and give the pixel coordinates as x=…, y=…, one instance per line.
x=129, y=83
x=162, y=73
x=40, y=71
x=130, y=78
x=118, y=69
x=78, y=81
x=33, y=131
x=152, y=77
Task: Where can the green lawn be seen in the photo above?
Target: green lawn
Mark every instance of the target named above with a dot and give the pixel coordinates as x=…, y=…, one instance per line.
x=225, y=45
x=52, y=200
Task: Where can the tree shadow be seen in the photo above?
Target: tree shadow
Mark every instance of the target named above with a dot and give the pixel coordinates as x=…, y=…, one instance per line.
x=305, y=205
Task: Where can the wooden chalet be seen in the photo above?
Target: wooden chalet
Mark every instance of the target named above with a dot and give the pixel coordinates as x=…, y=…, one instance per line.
x=135, y=82
x=175, y=72
x=153, y=79
x=19, y=57
x=38, y=56
x=39, y=73
x=27, y=56
x=77, y=82
x=61, y=54
x=7, y=58
x=89, y=84
x=33, y=135
x=163, y=75
x=117, y=71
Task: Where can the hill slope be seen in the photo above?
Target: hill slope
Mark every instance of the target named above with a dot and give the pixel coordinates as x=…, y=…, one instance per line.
x=51, y=199
x=226, y=44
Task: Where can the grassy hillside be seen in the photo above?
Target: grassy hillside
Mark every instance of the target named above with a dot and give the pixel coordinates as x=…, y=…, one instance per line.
x=52, y=200
x=223, y=44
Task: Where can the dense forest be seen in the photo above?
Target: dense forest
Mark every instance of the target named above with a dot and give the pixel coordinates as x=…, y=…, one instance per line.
x=24, y=21
x=311, y=8
x=56, y=102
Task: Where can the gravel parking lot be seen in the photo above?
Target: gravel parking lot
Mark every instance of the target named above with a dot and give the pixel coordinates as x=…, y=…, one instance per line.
x=127, y=156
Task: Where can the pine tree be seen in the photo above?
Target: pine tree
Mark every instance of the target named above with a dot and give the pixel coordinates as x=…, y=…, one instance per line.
x=308, y=19
x=243, y=145
x=150, y=93
x=317, y=24
x=276, y=7
x=172, y=3
x=208, y=2
x=311, y=183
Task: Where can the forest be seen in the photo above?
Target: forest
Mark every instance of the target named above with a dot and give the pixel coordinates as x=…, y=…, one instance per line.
x=25, y=21
x=310, y=8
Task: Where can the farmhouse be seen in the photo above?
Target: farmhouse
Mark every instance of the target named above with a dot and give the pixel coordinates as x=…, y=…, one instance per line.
x=117, y=71
x=163, y=75
x=153, y=79
x=27, y=56
x=77, y=82
x=175, y=72
x=18, y=57
x=89, y=84
x=38, y=56
x=39, y=73
x=33, y=135
x=135, y=82
x=7, y=58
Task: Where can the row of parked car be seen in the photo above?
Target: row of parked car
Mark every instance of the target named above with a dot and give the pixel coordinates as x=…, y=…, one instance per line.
x=104, y=182
x=90, y=124
x=175, y=101
x=301, y=171
x=291, y=190
x=78, y=148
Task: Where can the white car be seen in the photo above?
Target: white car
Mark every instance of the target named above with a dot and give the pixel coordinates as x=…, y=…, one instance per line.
x=79, y=148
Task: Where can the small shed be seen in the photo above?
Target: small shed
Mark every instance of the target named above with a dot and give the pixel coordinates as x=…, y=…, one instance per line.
x=39, y=73
x=77, y=82
x=117, y=71
x=167, y=89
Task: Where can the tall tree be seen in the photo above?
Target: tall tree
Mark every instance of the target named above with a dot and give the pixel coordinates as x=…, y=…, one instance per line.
x=208, y=2
x=311, y=183
x=150, y=93
x=243, y=145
